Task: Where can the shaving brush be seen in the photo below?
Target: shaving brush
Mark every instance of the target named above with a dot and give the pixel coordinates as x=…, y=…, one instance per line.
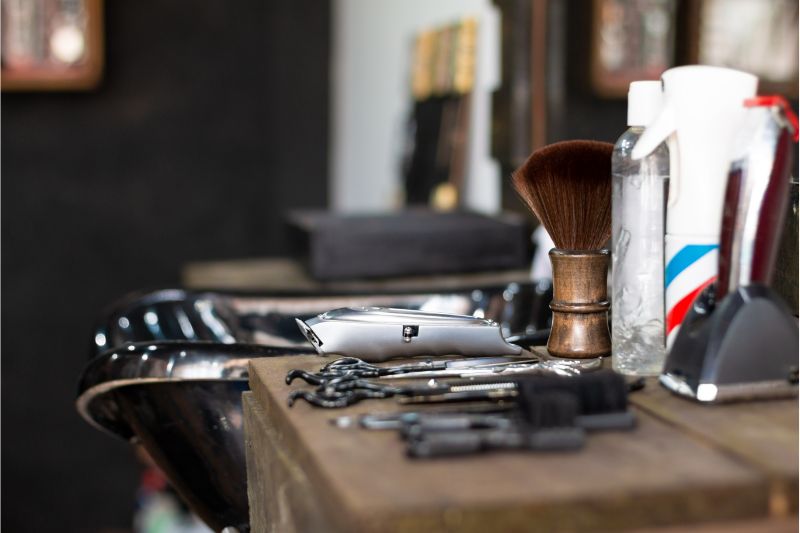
x=567, y=185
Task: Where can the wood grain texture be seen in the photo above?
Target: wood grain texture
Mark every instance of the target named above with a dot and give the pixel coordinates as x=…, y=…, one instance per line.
x=276, y=487
x=261, y=481
x=762, y=434
x=768, y=525
x=362, y=481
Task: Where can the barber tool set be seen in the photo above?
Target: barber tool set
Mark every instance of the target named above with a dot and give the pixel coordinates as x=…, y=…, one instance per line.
x=349, y=380
x=692, y=198
x=505, y=402
x=496, y=395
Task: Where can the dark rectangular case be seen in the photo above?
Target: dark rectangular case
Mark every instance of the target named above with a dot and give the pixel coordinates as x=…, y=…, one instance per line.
x=408, y=243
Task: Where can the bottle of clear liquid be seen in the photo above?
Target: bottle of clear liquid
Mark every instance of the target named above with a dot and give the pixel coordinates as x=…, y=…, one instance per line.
x=639, y=193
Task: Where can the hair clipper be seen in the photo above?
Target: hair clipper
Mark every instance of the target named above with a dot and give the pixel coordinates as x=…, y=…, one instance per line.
x=379, y=333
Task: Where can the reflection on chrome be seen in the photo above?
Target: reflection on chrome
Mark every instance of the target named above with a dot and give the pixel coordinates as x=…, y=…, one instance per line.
x=100, y=340
x=235, y=318
x=151, y=322
x=217, y=327
x=166, y=396
x=150, y=318
x=185, y=324
x=173, y=362
x=706, y=392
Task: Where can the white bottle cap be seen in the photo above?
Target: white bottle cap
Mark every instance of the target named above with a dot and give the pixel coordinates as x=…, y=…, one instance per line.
x=644, y=102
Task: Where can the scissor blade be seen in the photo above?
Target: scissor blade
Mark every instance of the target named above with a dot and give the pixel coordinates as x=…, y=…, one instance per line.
x=494, y=370
x=473, y=362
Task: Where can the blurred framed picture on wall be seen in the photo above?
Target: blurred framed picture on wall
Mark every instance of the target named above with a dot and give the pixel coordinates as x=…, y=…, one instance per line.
x=51, y=44
x=757, y=36
x=631, y=40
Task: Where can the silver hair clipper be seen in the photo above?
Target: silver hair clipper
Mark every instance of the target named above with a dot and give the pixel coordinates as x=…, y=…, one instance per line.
x=380, y=333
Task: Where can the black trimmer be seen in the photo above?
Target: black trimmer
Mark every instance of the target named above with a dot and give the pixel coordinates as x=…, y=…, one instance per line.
x=739, y=340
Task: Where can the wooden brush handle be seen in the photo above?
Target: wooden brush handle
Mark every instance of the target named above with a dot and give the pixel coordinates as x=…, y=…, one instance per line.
x=580, y=304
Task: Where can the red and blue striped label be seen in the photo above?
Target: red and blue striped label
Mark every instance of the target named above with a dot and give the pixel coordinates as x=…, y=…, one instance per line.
x=689, y=270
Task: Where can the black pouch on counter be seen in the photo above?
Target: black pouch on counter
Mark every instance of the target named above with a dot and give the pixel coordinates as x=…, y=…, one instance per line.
x=408, y=243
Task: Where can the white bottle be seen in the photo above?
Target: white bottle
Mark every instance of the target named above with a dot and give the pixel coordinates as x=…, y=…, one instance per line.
x=637, y=246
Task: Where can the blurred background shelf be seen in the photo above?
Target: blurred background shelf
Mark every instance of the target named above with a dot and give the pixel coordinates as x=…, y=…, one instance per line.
x=285, y=274
x=52, y=45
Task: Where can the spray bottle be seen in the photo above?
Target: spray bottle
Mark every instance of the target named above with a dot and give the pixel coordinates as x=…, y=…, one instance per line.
x=638, y=209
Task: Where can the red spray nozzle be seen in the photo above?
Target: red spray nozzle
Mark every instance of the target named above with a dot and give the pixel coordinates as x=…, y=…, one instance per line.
x=779, y=101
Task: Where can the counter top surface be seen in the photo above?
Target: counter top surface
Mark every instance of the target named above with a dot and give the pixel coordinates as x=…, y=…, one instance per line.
x=684, y=463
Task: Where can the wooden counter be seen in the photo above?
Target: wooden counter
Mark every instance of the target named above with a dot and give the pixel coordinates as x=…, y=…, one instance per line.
x=284, y=274
x=732, y=466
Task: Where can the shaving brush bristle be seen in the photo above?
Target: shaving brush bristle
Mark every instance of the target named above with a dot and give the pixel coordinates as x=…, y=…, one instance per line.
x=567, y=185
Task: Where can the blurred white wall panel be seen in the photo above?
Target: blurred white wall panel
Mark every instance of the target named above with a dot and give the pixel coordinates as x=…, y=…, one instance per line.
x=371, y=98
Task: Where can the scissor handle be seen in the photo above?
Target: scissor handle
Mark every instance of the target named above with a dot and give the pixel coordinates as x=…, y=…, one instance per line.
x=347, y=393
x=346, y=363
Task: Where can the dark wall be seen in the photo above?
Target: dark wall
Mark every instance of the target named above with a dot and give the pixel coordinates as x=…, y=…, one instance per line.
x=576, y=111
x=210, y=123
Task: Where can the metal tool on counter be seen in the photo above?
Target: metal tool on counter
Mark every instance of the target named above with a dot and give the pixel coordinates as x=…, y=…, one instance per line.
x=546, y=419
x=470, y=442
x=536, y=364
x=551, y=428
x=344, y=382
x=617, y=420
x=381, y=333
x=603, y=390
x=457, y=368
x=529, y=366
x=347, y=390
x=463, y=392
x=410, y=423
x=739, y=340
x=547, y=414
x=353, y=366
x=493, y=417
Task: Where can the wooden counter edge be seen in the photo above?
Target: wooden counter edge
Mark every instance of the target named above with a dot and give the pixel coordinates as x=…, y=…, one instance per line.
x=331, y=505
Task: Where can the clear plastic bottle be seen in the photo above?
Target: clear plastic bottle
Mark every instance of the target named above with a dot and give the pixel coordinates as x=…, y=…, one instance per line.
x=639, y=193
